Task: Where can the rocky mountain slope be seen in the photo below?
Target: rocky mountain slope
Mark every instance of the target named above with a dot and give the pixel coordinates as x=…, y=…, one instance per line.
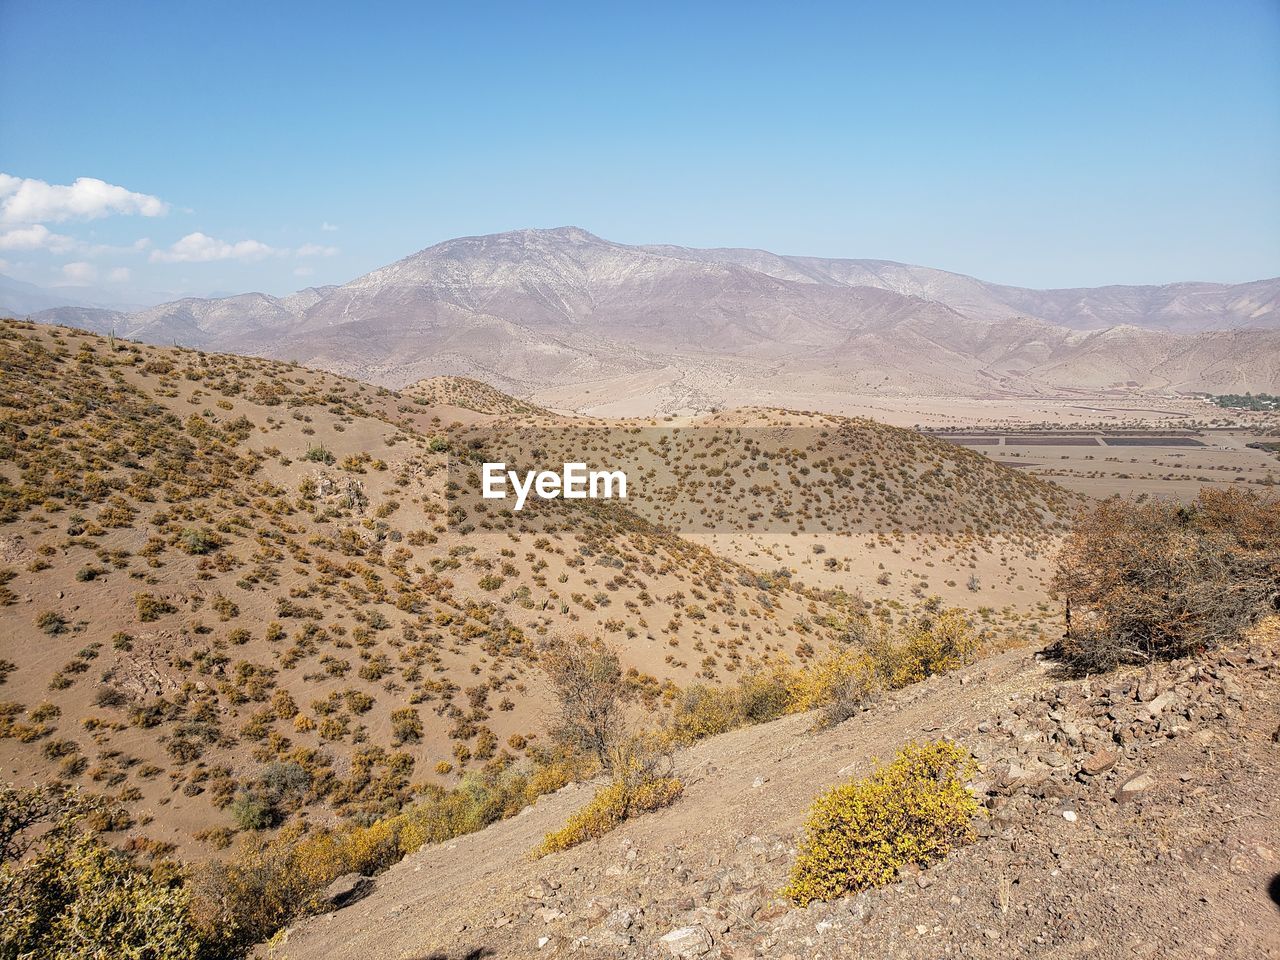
x=534, y=309
x=1176, y=307
x=1131, y=815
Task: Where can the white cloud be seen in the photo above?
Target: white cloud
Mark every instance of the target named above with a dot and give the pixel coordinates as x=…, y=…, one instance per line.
x=201, y=248
x=79, y=274
x=328, y=227
x=303, y=271
x=37, y=237
x=119, y=275
x=316, y=250
x=35, y=201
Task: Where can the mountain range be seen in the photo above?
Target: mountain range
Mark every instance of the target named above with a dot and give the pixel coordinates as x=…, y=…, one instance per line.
x=536, y=310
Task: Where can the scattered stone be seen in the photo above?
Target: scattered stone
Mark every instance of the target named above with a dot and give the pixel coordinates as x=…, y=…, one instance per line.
x=620, y=919
x=771, y=911
x=1134, y=787
x=687, y=942
x=1099, y=763
x=615, y=939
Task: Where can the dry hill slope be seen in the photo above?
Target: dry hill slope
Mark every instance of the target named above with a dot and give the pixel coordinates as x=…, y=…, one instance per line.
x=217, y=567
x=1161, y=846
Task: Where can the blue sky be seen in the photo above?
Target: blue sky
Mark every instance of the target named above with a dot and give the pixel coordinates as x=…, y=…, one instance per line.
x=1040, y=144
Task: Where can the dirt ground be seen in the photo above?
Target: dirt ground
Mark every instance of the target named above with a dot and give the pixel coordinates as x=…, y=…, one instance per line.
x=1064, y=869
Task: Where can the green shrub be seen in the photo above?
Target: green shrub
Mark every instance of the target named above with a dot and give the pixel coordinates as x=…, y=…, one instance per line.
x=915, y=810
x=252, y=811
x=198, y=541
x=52, y=623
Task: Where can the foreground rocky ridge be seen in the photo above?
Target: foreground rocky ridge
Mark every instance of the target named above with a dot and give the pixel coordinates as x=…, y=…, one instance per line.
x=1130, y=815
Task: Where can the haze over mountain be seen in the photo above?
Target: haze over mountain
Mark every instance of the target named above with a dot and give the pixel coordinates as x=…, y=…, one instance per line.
x=532, y=310
x=18, y=296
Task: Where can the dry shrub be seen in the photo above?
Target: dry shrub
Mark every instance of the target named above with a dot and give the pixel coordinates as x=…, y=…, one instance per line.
x=641, y=781
x=1148, y=579
x=875, y=657
x=913, y=811
x=836, y=686
x=268, y=882
x=761, y=694
x=932, y=641
x=586, y=678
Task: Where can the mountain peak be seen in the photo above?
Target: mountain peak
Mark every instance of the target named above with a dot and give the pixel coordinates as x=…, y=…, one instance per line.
x=541, y=308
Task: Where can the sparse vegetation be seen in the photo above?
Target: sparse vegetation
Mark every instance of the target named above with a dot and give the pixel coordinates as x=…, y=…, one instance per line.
x=914, y=810
x=354, y=646
x=266, y=882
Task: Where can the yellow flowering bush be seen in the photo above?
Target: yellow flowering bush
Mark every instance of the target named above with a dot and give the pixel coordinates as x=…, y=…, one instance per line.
x=637, y=787
x=914, y=810
x=610, y=806
x=66, y=895
x=837, y=685
x=762, y=693
x=934, y=641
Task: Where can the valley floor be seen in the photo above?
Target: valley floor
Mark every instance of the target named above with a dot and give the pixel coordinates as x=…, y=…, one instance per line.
x=1179, y=866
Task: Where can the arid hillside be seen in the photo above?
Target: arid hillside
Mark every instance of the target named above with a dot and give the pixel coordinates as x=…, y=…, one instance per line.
x=1130, y=815
x=216, y=569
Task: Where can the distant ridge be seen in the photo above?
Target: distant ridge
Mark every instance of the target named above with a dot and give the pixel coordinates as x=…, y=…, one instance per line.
x=533, y=309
